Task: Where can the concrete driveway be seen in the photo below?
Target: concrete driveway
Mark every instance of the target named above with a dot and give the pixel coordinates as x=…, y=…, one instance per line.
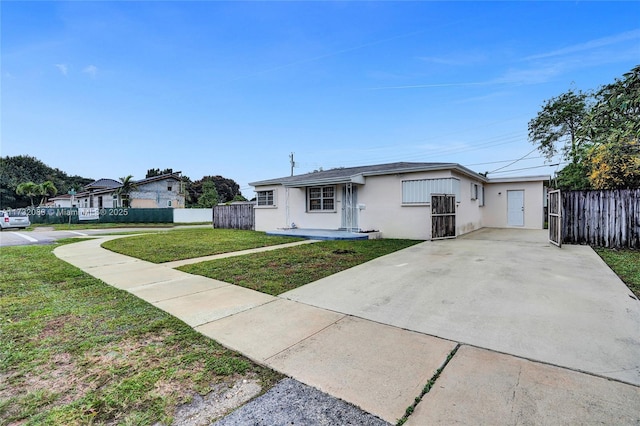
x=509, y=291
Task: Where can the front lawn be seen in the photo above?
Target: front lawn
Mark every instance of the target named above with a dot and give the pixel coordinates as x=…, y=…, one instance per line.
x=277, y=271
x=74, y=350
x=625, y=263
x=191, y=243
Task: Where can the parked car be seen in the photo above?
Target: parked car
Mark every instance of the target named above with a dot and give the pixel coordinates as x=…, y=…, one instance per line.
x=13, y=219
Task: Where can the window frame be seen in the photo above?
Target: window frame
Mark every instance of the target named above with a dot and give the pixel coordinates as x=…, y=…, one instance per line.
x=268, y=199
x=418, y=192
x=322, y=199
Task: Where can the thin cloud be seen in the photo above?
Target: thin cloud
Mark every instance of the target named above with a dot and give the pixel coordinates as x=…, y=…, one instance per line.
x=590, y=45
x=62, y=68
x=92, y=70
x=328, y=55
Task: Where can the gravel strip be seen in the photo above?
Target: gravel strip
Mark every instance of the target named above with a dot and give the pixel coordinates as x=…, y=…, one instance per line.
x=290, y=402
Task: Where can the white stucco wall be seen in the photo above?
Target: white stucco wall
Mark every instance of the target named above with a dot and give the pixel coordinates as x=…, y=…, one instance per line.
x=469, y=212
x=495, y=210
x=192, y=215
x=382, y=210
x=269, y=218
x=273, y=217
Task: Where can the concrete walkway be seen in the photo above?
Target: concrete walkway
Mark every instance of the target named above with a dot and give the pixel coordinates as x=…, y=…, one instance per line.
x=379, y=367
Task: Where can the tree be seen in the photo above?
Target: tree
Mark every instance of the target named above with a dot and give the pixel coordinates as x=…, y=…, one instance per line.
x=128, y=186
x=29, y=189
x=600, y=134
x=615, y=165
x=227, y=189
x=23, y=168
x=613, y=129
x=157, y=172
x=209, y=197
x=239, y=197
x=47, y=189
x=559, y=122
x=574, y=176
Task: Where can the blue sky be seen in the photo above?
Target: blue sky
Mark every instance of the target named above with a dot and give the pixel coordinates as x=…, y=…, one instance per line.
x=107, y=89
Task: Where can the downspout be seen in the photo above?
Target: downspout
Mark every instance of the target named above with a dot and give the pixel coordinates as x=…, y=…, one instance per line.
x=286, y=208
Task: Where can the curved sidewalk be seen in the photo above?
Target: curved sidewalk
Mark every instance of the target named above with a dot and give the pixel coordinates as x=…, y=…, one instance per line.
x=380, y=368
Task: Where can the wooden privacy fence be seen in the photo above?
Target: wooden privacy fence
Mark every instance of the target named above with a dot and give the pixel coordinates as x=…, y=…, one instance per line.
x=234, y=216
x=607, y=218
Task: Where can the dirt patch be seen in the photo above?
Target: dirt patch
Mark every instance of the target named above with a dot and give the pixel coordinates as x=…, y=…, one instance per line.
x=217, y=403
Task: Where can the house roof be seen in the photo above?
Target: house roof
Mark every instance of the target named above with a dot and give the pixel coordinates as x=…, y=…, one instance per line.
x=60, y=197
x=357, y=174
x=174, y=175
x=104, y=184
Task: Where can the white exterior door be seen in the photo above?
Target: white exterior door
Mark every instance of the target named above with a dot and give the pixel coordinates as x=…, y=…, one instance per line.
x=515, y=208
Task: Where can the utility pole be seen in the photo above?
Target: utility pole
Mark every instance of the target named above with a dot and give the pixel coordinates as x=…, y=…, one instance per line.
x=293, y=163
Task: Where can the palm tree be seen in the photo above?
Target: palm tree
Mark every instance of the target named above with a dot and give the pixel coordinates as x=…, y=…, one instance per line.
x=47, y=189
x=29, y=189
x=128, y=185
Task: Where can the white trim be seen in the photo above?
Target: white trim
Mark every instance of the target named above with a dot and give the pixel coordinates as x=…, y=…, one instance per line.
x=273, y=198
x=520, y=179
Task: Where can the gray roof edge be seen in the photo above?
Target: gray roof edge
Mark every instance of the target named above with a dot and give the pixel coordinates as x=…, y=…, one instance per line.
x=435, y=167
x=309, y=179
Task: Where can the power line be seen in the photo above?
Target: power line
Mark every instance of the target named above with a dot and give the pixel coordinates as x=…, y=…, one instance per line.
x=500, y=161
x=529, y=168
x=514, y=162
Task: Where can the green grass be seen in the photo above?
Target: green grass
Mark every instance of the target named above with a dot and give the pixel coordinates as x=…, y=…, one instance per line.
x=191, y=243
x=625, y=263
x=74, y=350
x=275, y=272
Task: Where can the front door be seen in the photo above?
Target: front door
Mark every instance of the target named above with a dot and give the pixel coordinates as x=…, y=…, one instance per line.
x=515, y=208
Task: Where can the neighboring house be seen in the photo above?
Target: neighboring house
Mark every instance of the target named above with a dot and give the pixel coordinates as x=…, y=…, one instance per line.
x=154, y=192
x=63, y=200
x=396, y=199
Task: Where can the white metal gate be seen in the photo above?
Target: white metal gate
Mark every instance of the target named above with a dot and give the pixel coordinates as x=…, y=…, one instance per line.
x=350, y=207
x=555, y=217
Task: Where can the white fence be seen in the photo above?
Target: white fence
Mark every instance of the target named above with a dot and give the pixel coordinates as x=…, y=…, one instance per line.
x=192, y=215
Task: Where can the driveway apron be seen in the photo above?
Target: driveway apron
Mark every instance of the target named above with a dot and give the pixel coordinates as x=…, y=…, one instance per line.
x=502, y=290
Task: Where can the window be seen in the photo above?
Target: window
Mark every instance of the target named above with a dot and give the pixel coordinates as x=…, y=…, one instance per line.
x=169, y=203
x=265, y=198
x=419, y=191
x=321, y=198
x=477, y=193
x=169, y=187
